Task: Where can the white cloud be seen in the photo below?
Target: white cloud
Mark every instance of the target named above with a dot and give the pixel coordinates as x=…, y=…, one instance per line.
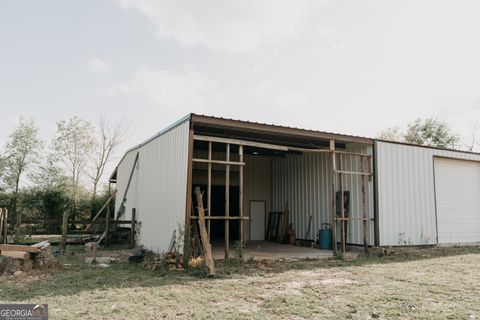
x=227, y=25
x=180, y=91
x=100, y=66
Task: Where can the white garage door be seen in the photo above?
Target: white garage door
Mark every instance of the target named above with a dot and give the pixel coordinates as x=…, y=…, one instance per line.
x=457, y=187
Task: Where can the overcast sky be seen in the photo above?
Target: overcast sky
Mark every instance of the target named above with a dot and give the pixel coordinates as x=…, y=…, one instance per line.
x=352, y=67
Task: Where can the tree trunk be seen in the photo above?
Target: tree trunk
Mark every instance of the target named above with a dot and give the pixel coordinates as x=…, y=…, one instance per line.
x=93, y=209
x=14, y=205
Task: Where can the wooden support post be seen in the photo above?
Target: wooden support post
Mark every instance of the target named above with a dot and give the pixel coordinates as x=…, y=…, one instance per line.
x=64, y=230
x=227, y=202
x=364, y=209
x=188, y=205
x=240, y=197
x=133, y=226
x=1, y=225
x=5, y=225
x=209, y=188
x=107, y=219
x=334, y=202
x=342, y=208
x=207, y=248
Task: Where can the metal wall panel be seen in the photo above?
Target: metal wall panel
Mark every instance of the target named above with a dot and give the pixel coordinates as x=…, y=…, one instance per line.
x=406, y=192
x=158, y=189
x=305, y=182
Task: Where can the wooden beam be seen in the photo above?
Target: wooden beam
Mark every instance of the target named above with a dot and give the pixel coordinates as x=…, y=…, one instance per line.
x=189, y=199
x=5, y=225
x=209, y=188
x=228, y=162
x=334, y=202
x=207, y=248
x=364, y=209
x=241, y=142
x=353, y=173
x=240, y=198
x=354, y=219
x=1, y=225
x=14, y=247
x=101, y=210
x=16, y=254
x=227, y=202
x=342, y=207
x=222, y=218
x=133, y=227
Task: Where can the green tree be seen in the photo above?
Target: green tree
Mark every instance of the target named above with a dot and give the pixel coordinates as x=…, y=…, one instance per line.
x=73, y=145
x=431, y=132
x=22, y=152
x=428, y=132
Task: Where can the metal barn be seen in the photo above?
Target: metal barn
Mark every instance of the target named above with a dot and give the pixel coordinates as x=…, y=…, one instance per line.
x=370, y=192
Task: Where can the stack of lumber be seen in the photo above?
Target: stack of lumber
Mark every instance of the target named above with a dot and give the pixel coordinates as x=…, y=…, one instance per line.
x=21, y=251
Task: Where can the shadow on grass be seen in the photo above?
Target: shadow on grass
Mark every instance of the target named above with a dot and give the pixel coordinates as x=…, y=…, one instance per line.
x=82, y=277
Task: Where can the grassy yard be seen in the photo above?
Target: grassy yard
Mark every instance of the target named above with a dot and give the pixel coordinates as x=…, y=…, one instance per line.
x=432, y=283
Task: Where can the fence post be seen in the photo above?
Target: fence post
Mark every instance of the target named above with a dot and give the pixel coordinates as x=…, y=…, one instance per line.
x=5, y=228
x=133, y=226
x=64, y=230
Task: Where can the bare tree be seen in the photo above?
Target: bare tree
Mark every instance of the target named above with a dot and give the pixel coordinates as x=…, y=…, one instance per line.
x=109, y=136
x=73, y=145
x=22, y=150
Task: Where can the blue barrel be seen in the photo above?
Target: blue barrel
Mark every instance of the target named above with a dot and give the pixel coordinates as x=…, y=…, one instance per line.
x=325, y=237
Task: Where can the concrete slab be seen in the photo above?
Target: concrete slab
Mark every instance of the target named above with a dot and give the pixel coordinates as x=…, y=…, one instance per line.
x=266, y=250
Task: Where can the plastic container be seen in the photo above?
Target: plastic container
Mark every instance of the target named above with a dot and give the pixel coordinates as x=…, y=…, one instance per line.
x=325, y=237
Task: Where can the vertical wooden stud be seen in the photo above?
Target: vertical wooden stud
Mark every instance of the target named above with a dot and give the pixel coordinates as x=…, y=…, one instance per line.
x=209, y=188
x=240, y=196
x=364, y=209
x=334, y=202
x=133, y=227
x=227, y=202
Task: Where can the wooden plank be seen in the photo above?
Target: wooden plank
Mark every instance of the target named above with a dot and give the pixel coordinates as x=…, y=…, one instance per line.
x=222, y=218
x=132, y=228
x=16, y=254
x=189, y=200
x=227, y=202
x=15, y=247
x=207, y=248
x=209, y=187
x=334, y=202
x=353, y=173
x=240, y=198
x=241, y=143
x=5, y=225
x=354, y=219
x=365, y=243
x=342, y=207
x=101, y=210
x=273, y=146
x=228, y=162
x=1, y=225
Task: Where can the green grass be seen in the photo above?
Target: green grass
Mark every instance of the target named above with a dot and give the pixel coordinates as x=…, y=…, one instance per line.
x=434, y=282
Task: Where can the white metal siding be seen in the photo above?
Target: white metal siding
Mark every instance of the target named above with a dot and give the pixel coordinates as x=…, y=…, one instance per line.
x=457, y=186
x=159, y=190
x=406, y=195
x=305, y=182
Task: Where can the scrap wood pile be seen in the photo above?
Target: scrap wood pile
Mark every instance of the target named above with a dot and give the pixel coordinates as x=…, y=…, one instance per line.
x=16, y=257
